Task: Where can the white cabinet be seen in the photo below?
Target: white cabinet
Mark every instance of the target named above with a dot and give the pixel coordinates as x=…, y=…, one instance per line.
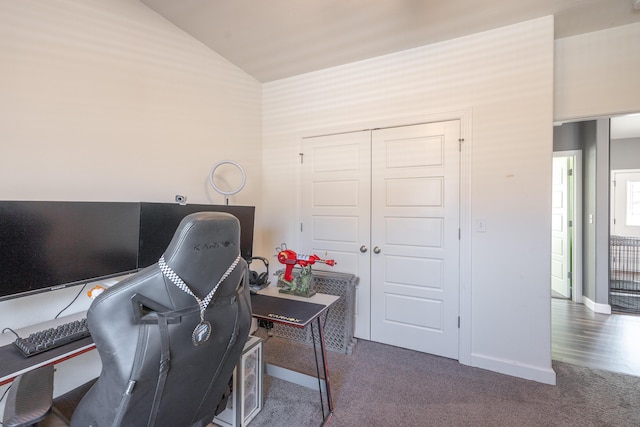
x=246, y=398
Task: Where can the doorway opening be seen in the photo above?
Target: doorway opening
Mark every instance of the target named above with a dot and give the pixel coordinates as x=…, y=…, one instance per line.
x=624, y=246
x=566, y=230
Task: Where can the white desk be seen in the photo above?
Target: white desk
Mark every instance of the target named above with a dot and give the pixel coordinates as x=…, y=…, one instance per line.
x=14, y=363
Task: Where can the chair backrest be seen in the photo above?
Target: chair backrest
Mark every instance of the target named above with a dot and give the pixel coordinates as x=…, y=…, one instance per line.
x=161, y=363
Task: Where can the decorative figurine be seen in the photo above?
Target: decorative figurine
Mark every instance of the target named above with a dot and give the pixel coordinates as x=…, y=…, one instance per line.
x=303, y=284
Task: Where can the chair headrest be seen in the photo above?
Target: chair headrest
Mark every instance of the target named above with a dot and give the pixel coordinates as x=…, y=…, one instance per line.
x=204, y=245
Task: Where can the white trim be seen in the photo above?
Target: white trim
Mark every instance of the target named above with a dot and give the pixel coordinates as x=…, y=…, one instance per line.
x=295, y=377
x=597, y=307
x=510, y=367
x=465, y=281
x=459, y=113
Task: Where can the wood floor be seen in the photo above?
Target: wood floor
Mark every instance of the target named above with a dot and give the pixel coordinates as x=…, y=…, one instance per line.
x=582, y=337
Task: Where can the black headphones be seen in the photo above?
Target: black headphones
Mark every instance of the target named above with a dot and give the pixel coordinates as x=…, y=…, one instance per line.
x=259, y=280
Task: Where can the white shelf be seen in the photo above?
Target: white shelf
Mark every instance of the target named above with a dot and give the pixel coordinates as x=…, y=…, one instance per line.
x=247, y=387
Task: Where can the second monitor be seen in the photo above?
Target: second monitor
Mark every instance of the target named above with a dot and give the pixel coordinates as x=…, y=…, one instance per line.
x=158, y=223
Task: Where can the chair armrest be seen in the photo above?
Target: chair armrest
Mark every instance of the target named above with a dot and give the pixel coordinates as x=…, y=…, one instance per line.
x=30, y=398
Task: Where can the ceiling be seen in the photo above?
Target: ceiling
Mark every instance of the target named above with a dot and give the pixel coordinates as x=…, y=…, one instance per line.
x=625, y=127
x=275, y=39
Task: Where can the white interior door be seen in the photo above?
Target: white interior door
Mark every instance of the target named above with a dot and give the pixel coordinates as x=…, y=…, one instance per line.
x=625, y=201
x=560, y=231
x=415, y=237
x=336, y=204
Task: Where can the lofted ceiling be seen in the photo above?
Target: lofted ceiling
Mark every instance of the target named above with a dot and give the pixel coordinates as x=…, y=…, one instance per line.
x=275, y=39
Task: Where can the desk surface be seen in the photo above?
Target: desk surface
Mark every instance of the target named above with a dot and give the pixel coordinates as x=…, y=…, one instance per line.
x=270, y=304
x=324, y=299
x=290, y=312
x=12, y=363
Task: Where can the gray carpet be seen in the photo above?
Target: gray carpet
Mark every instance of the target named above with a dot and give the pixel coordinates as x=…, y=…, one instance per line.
x=380, y=385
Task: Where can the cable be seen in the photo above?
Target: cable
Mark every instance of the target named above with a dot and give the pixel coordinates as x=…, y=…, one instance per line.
x=4, y=394
x=72, y=301
x=56, y=316
x=14, y=333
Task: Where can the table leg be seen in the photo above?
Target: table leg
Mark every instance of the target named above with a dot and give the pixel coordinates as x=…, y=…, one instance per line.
x=325, y=368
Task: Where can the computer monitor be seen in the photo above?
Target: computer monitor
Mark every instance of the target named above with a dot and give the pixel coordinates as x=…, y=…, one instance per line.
x=47, y=245
x=159, y=221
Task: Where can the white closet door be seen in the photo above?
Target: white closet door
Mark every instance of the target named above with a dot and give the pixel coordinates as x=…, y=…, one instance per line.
x=385, y=206
x=336, y=203
x=415, y=237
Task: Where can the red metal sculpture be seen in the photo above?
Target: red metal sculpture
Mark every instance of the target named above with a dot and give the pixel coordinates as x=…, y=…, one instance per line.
x=302, y=284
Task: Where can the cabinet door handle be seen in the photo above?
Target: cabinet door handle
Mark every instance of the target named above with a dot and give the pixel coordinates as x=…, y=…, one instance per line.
x=363, y=249
x=376, y=250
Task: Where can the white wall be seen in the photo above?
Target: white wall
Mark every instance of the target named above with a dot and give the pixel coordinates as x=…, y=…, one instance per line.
x=625, y=153
x=108, y=101
x=596, y=74
x=505, y=79
x=105, y=100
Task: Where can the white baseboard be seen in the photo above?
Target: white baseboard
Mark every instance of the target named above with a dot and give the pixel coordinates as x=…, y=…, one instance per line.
x=515, y=369
x=596, y=307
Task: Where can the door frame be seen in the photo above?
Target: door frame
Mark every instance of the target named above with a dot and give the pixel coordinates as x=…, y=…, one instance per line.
x=465, y=116
x=576, y=234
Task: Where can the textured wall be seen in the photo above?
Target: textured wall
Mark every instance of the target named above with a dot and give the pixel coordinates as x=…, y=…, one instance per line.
x=106, y=100
x=504, y=80
x=596, y=74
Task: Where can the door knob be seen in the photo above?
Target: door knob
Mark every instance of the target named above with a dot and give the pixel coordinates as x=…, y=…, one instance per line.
x=363, y=249
x=376, y=250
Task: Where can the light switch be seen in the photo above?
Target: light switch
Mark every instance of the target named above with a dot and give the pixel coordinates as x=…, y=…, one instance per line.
x=480, y=224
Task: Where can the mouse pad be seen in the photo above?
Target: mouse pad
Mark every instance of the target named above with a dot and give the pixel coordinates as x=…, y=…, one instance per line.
x=283, y=310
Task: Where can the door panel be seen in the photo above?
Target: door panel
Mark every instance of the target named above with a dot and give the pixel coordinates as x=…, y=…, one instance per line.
x=424, y=232
x=560, y=231
x=414, y=192
x=335, y=210
x=404, y=311
x=335, y=229
x=335, y=193
x=415, y=226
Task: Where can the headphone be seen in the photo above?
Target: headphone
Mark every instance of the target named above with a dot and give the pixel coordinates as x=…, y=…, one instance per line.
x=259, y=280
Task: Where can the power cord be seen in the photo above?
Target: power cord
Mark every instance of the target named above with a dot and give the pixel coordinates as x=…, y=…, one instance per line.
x=72, y=301
x=14, y=333
x=4, y=395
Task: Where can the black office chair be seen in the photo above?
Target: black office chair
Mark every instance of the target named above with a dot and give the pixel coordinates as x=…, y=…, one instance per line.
x=165, y=362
